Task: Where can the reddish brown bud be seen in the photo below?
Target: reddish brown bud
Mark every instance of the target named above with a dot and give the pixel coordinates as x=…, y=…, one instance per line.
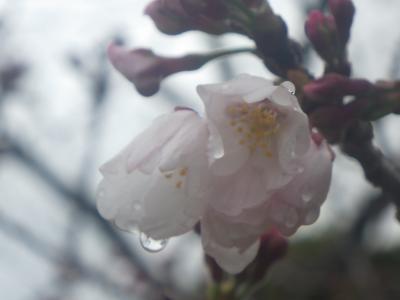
x=177, y=16
x=168, y=16
x=333, y=87
x=146, y=70
x=343, y=12
x=332, y=120
x=212, y=9
x=273, y=246
x=257, y=5
x=215, y=270
x=321, y=31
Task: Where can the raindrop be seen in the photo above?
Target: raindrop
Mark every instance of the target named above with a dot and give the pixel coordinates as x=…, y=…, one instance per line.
x=289, y=86
x=150, y=244
x=307, y=197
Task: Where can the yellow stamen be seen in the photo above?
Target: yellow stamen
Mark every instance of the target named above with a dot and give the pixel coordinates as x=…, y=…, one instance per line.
x=183, y=172
x=258, y=123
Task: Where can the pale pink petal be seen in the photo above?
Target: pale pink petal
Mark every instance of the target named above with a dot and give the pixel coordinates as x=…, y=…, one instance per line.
x=298, y=203
x=293, y=140
x=146, y=147
x=158, y=182
x=234, y=193
x=283, y=97
x=217, y=98
x=234, y=154
x=164, y=208
x=273, y=176
x=118, y=194
x=310, y=187
x=175, y=200
x=232, y=259
x=231, y=231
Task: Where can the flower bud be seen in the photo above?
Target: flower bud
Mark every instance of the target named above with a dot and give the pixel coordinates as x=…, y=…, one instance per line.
x=213, y=9
x=333, y=87
x=331, y=121
x=280, y=54
x=343, y=12
x=321, y=30
x=146, y=70
x=273, y=246
x=177, y=16
x=216, y=272
x=257, y=5
x=168, y=16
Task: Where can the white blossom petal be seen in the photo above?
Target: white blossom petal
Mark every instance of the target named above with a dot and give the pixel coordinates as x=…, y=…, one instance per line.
x=146, y=147
x=167, y=199
x=232, y=259
x=234, y=193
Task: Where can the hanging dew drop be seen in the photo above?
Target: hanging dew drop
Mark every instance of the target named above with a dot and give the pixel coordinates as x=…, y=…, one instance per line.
x=150, y=244
x=289, y=86
x=307, y=197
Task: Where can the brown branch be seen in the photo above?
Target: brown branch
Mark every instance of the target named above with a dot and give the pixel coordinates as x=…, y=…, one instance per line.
x=379, y=170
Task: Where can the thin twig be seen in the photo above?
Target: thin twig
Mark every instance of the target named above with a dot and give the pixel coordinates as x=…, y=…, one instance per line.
x=377, y=168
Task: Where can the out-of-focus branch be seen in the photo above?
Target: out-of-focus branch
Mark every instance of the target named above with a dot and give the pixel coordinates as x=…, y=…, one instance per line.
x=84, y=203
x=373, y=207
x=377, y=168
x=48, y=252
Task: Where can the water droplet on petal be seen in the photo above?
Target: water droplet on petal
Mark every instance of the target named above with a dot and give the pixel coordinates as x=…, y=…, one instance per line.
x=150, y=244
x=289, y=86
x=306, y=197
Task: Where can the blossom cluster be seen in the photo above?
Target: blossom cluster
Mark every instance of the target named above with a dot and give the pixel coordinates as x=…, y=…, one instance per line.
x=251, y=163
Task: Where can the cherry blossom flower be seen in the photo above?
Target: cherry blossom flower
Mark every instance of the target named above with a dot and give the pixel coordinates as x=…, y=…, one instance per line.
x=249, y=165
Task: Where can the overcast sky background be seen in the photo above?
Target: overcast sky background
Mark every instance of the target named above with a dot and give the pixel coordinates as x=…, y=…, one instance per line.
x=52, y=116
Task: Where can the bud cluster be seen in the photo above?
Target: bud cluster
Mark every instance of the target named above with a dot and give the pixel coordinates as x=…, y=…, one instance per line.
x=330, y=33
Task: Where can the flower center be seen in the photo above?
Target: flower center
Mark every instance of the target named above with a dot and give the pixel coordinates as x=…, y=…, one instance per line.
x=255, y=124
